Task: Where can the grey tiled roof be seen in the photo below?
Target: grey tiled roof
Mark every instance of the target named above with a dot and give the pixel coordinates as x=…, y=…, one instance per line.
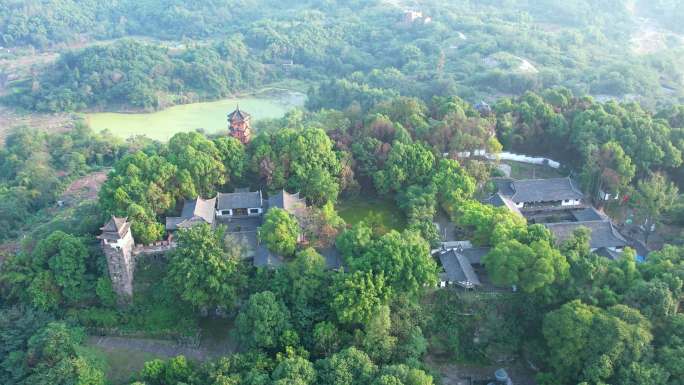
x=610, y=254
x=264, y=258
x=458, y=268
x=203, y=208
x=544, y=190
x=194, y=211
x=291, y=203
x=333, y=259
x=588, y=214
x=116, y=228
x=603, y=233
x=239, y=200
x=475, y=254
x=172, y=222
x=115, y=224
x=499, y=200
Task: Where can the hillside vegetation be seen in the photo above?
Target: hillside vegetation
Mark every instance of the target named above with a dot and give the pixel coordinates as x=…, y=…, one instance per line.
x=362, y=51
x=401, y=107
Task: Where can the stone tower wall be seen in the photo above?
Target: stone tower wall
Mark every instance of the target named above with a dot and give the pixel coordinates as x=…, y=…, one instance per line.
x=121, y=264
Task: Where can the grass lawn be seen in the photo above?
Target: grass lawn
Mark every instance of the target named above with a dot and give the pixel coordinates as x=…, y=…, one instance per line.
x=376, y=211
x=531, y=171
x=121, y=363
x=210, y=116
x=217, y=336
x=155, y=312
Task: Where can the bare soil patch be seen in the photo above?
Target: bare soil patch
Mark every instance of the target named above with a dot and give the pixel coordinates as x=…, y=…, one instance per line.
x=85, y=188
x=50, y=122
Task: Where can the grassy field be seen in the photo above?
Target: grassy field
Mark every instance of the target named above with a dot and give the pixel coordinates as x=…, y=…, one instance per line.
x=377, y=212
x=121, y=363
x=210, y=116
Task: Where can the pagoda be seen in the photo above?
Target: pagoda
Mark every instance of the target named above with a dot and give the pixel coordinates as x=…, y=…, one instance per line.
x=239, y=125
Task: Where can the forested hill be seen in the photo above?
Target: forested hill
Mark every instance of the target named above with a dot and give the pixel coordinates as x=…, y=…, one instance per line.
x=362, y=51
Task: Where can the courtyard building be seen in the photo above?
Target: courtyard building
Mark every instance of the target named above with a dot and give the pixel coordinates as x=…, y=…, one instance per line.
x=240, y=204
x=194, y=212
x=534, y=194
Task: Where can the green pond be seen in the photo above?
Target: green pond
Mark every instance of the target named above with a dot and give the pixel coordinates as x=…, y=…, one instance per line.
x=209, y=116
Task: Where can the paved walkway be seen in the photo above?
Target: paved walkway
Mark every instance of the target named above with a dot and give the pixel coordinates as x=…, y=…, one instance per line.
x=160, y=348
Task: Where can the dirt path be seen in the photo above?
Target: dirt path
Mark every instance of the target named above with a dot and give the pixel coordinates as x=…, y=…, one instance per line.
x=161, y=348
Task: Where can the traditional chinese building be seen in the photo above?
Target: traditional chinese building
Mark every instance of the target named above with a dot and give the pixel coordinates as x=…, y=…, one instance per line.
x=239, y=125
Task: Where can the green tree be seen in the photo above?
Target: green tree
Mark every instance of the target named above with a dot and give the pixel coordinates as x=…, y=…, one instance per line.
x=142, y=186
x=294, y=370
x=353, y=242
x=666, y=265
x=176, y=370
x=301, y=161
x=453, y=184
x=403, y=258
x=204, y=274
x=17, y=325
x=232, y=154
x=587, y=343
x=531, y=267
x=348, y=367
x=53, y=357
x=407, y=164
x=486, y=224
x=418, y=202
x=54, y=274
x=670, y=348
x=377, y=341
x=65, y=257
x=327, y=339
x=302, y=285
x=358, y=296
x=280, y=231
x=263, y=322
x=608, y=169
x=652, y=198
x=402, y=375
x=653, y=299
x=200, y=158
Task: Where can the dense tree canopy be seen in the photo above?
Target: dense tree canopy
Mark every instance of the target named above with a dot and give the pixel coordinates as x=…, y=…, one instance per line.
x=606, y=140
x=280, y=232
x=264, y=322
x=403, y=258
x=202, y=271
x=298, y=161
x=54, y=274
x=397, y=113
x=592, y=344
x=120, y=74
x=530, y=266
x=358, y=296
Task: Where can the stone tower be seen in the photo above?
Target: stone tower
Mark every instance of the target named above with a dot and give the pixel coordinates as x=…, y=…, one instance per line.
x=240, y=126
x=117, y=243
